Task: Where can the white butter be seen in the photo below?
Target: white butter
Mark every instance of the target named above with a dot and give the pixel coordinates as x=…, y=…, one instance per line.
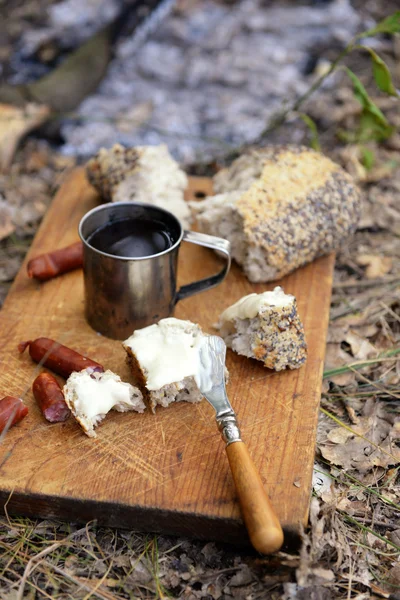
x=204, y=375
x=250, y=306
x=168, y=351
x=99, y=396
x=91, y=396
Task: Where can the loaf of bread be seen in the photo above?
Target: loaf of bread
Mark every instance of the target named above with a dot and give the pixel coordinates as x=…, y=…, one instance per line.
x=145, y=174
x=265, y=327
x=90, y=396
x=165, y=359
x=280, y=207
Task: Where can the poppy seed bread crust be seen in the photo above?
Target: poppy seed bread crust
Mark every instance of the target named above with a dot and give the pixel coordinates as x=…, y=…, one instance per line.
x=280, y=207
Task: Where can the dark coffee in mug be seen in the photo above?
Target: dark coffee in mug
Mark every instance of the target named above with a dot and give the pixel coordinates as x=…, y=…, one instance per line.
x=133, y=238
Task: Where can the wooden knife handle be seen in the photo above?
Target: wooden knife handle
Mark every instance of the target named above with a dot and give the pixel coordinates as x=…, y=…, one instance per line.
x=262, y=524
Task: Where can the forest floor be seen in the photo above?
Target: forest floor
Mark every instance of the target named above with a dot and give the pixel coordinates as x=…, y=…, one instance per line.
x=351, y=548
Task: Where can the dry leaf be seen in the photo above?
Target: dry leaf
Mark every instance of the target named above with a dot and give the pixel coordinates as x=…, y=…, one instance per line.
x=351, y=158
x=377, y=266
x=351, y=414
x=379, y=172
x=336, y=357
x=343, y=504
x=321, y=480
x=6, y=225
x=355, y=452
x=384, y=208
x=62, y=162
x=16, y=122
x=378, y=590
x=339, y=435
x=26, y=198
x=322, y=575
x=322, y=484
x=38, y=159
x=242, y=577
x=361, y=348
x=9, y=268
x=139, y=574
x=394, y=536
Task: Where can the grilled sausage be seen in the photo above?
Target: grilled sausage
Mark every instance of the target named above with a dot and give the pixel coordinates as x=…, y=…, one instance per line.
x=12, y=410
x=50, y=397
x=58, y=358
x=52, y=264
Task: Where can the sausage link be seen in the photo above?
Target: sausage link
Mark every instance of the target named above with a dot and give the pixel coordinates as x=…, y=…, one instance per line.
x=12, y=410
x=52, y=264
x=50, y=397
x=58, y=358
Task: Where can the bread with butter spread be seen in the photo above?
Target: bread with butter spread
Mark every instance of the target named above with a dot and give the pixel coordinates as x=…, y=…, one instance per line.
x=266, y=327
x=90, y=396
x=164, y=359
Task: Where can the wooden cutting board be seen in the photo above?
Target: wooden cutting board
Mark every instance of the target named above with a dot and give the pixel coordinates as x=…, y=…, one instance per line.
x=165, y=472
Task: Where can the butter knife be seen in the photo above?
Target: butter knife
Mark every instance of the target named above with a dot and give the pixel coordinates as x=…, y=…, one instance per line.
x=262, y=524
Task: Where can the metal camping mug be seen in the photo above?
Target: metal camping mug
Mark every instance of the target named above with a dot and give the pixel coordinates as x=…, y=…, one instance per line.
x=124, y=293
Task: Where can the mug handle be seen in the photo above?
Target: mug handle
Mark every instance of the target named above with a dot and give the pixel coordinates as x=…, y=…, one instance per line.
x=209, y=241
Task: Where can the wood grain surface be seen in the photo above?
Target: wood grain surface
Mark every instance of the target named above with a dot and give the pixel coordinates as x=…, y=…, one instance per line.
x=166, y=472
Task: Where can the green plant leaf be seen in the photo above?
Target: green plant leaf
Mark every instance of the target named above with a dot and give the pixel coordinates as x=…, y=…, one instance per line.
x=367, y=157
x=382, y=76
x=362, y=96
x=314, y=140
x=390, y=24
x=373, y=125
x=371, y=128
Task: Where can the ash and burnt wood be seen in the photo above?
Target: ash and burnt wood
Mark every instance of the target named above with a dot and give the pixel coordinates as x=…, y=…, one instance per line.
x=168, y=468
x=45, y=102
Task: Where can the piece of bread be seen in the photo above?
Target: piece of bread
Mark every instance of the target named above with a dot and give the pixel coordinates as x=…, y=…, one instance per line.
x=164, y=359
x=146, y=174
x=265, y=327
x=280, y=207
x=90, y=396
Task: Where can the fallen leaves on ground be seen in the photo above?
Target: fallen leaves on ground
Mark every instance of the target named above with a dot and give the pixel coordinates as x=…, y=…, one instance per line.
x=370, y=443
x=351, y=547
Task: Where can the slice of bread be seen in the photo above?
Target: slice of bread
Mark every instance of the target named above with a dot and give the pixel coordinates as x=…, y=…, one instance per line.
x=146, y=174
x=280, y=207
x=164, y=359
x=90, y=396
x=265, y=327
